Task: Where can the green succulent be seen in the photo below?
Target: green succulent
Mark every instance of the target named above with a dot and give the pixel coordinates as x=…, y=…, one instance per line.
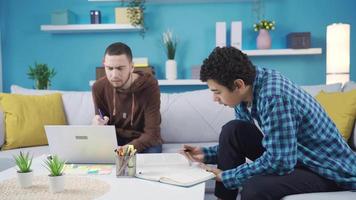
x=42, y=74
x=23, y=162
x=54, y=165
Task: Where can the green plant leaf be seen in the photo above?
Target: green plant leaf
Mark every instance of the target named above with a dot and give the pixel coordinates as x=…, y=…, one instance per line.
x=23, y=162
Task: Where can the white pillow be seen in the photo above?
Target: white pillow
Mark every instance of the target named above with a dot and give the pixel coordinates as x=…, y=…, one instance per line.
x=349, y=86
x=315, y=89
x=78, y=106
x=192, y=117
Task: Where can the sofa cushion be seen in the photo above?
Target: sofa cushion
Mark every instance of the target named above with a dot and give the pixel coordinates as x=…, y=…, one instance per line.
x=349, y=86
x=343, y=195
x=315, y=89
x=7, y=159
x=78, y=106
x=25, y=116
x=192, y=117
x=341, y=107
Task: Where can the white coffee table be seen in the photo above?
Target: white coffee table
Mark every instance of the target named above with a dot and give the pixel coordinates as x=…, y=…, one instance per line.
x=126, y=188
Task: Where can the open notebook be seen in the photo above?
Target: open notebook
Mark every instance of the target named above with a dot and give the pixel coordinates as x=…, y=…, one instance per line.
x=170, y=168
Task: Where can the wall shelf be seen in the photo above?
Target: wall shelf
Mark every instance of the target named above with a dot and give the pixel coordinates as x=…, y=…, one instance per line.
x=74, y=28
x=178, y=1
x=283, y=52
x=171, y=82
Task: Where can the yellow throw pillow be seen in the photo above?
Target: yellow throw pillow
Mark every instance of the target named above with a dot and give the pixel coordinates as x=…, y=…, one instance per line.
x=341, y=107
x=26, y=115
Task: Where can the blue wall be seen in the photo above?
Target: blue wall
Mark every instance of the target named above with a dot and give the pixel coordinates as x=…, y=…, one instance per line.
x=75, y=56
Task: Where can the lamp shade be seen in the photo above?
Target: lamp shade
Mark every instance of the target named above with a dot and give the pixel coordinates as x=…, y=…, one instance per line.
x=337, y=53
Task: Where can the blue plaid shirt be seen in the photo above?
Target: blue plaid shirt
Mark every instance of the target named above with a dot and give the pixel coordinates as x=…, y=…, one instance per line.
x=296, y=129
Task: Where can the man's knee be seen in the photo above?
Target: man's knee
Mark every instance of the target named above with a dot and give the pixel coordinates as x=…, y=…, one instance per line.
x=257, y=188
x=231, y=129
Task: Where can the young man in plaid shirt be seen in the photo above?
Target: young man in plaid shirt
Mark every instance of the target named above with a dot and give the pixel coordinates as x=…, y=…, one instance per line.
x=294, y=145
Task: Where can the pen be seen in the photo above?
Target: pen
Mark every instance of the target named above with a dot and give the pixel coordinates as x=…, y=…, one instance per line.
x=100, y=113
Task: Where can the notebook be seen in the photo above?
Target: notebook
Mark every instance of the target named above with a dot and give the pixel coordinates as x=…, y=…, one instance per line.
x=170, y=168
x=82, y=143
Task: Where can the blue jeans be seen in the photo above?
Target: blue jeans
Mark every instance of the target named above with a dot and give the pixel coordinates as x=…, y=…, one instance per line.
x=154, y=149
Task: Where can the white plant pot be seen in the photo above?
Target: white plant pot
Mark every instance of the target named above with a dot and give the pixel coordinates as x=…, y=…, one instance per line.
x=25, y=179
x=171, y=70
x=56, y=183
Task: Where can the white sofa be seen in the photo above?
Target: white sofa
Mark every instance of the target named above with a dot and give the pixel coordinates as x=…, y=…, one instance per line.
x=187, y=118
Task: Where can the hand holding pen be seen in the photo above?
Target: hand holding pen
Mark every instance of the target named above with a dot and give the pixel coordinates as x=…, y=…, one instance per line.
x=100, y=119
x=193, y=154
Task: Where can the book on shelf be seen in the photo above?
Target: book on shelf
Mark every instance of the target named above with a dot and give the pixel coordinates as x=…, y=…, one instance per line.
x=170, y=168
x=140, y=61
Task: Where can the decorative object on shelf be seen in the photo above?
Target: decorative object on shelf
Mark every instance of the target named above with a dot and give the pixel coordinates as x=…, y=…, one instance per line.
x=263, y=40
x=170, y=44
x=236, y=34
x=337, y=53
x=24, y=172
x=220, y=34
x=42, y=75
x=56, y=177
x=132, y=14
x=299, y=40
x=63, y=17
x=95, y=17
x=195, y=71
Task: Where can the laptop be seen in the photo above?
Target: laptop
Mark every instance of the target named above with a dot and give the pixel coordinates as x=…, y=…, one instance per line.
x=82, y=144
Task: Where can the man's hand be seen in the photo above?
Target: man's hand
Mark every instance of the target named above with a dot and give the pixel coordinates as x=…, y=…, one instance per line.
x=193, y=153
x=214, y=170
x=97, y=120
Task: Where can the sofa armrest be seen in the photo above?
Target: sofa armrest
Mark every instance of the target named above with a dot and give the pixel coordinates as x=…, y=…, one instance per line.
x=352, y=140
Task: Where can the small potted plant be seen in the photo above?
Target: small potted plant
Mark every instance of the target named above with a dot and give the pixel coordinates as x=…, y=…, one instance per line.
x=24, y=172
x=42, y=75
x=263, y=40
x=133, y=11
x=170, y=45
x=56, y=177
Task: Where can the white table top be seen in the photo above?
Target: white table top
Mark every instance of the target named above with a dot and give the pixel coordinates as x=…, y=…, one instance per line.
x=132, y=188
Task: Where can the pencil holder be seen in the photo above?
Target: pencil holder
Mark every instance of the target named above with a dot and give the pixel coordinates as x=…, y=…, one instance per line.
x=125, y=166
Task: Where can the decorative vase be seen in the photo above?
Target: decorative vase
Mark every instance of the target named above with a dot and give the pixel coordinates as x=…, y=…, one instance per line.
x=263, y=39
x=25, y=179
x=171, y=70
x=41, y=84
x=56, y=183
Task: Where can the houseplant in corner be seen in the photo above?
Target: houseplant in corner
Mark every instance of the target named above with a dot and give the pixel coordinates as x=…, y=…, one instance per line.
x=24, y=172
x=42, y=75
x=263, y=40
x=56, y=177
x=170, y=46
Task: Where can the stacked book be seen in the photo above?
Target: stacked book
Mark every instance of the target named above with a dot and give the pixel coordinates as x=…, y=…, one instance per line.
x=141, y=64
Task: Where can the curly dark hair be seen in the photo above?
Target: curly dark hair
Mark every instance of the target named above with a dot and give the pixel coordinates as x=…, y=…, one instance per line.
x=225, y=65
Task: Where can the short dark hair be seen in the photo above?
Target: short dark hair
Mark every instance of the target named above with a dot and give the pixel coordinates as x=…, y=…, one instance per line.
x=119, y=48
x=225, y=65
